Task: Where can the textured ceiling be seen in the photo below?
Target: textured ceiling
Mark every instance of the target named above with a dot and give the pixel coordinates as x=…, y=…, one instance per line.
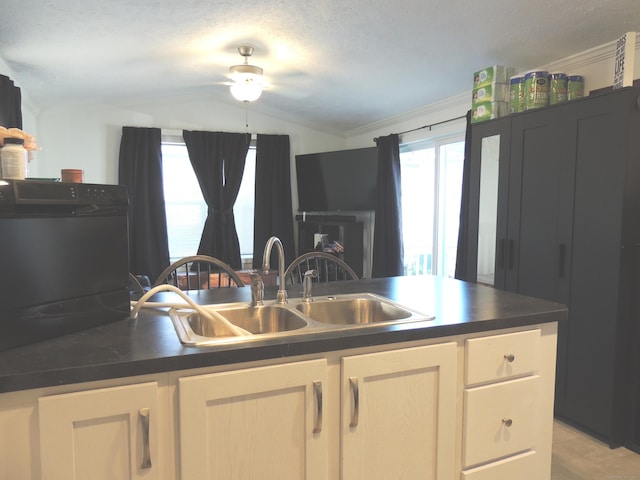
x=340, y=64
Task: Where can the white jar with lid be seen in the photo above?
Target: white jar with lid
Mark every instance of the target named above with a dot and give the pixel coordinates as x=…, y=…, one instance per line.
x=14, y=159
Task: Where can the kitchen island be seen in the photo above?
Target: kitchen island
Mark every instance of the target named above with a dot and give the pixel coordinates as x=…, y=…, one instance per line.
x=437, y=378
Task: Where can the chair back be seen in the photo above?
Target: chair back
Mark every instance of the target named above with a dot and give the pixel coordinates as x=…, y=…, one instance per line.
x=329, y=267
x=135, y=287
x=199, y=272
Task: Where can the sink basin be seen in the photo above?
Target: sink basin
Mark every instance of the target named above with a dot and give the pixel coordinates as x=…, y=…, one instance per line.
x=358, y=310
x=269, y=324
x=194, y=329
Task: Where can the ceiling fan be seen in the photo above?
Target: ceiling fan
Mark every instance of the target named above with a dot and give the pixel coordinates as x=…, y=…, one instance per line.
x=248, y=81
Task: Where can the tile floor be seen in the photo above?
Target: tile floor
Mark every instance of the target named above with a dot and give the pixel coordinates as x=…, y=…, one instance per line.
x=577, y=456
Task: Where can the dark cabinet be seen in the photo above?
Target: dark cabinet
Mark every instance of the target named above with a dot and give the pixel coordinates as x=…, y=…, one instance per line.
x=567, y=229
x=343, y=229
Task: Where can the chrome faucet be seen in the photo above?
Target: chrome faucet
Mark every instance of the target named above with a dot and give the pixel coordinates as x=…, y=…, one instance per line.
x=257, y=290
x=266, y=262
x=306, y=283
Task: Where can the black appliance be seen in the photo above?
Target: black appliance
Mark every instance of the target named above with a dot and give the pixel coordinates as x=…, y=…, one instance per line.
x=344, y=180
x=64, y=256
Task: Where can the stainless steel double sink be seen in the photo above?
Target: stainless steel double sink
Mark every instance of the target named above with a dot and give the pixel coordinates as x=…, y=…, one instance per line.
x=273, y=322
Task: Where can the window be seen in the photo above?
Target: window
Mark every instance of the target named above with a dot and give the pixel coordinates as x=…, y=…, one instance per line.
x=431, y=173
x=187, y=210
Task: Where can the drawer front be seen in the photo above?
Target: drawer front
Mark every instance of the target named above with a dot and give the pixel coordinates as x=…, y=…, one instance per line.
x=500, y=419
x=518, y=467
x=501, y=357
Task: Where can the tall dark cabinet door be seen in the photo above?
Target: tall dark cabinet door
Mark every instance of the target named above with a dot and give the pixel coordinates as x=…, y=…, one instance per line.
x=537, y=186
x=593, y=358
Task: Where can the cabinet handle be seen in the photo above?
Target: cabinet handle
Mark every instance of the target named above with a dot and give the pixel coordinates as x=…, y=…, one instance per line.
x=146, y=452
x=355, y=391
x=510, y=357
x=507, y=422
x=317, y=389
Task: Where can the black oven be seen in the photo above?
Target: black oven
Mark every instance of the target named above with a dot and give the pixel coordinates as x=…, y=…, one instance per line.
x=64, y=258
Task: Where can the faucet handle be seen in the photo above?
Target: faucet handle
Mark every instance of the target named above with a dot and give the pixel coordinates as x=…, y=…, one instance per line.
x=257, y=290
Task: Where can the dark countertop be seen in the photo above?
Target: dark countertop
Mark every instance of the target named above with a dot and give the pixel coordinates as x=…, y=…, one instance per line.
x=149, y=344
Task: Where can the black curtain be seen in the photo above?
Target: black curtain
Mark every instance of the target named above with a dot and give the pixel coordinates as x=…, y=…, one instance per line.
x=140, y=170
x=218, y=160
x=463, y=229
x=388, y=250
x=273, y=207
x=10, y=104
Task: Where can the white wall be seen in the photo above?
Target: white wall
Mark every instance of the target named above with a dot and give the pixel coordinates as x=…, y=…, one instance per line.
x=88, y=136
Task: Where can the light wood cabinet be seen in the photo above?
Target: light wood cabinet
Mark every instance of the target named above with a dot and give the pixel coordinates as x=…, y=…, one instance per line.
x=431, y=409
x=265, y=422
x=508, y=403
x=109, y=434
x=516, y=467
x=399, y=414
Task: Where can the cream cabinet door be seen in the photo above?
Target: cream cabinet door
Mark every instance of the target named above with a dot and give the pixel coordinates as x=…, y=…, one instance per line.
x=399, y=414
x=103, y=434
x=262, y=423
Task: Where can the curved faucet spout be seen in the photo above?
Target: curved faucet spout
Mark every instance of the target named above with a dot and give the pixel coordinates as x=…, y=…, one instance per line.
x=266, y=262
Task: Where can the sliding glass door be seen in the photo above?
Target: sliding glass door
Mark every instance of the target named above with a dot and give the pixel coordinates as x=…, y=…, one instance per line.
x=431, y=187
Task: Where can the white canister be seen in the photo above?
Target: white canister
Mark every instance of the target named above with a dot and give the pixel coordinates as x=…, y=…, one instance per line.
x=14, y=159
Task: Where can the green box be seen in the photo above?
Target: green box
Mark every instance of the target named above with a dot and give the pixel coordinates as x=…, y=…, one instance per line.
x=494, y=92
x=492, y=74
x=489, y=111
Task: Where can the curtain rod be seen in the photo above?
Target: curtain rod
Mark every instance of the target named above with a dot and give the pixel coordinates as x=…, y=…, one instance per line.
x=375, y=139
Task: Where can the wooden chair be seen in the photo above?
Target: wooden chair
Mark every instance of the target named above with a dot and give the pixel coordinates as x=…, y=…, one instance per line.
x=199, y=272
x=135, y=287
x=329, y=267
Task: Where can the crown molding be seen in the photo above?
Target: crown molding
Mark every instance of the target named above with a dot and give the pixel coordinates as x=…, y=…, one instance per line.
x=587, y=57
x=458, y=103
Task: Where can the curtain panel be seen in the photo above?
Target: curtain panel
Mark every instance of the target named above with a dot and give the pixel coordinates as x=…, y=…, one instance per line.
x=388, y=249
x=140, y=170
x=218, y=161
x=273, y=204
x=10, y=104
x=463, y=230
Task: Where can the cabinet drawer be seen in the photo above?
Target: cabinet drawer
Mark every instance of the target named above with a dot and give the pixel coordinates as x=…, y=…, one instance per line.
x=500, y=357
x=500, y=419
x=518, y=467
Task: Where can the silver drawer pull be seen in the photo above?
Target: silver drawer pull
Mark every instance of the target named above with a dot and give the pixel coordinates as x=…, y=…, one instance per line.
x=510, y=357
x=355, y=391
x=317, y=388
x=146, y=453
x=507, y=422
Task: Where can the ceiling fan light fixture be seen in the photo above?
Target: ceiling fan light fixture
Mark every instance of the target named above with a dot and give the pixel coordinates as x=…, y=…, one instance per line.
x=248, y=78
x=246, y=90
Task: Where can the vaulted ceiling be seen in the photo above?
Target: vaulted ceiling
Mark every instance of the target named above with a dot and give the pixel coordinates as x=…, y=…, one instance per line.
x=338, y=63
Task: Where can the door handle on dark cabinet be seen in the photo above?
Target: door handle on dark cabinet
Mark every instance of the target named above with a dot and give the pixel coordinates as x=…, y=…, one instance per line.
x=561, y=257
